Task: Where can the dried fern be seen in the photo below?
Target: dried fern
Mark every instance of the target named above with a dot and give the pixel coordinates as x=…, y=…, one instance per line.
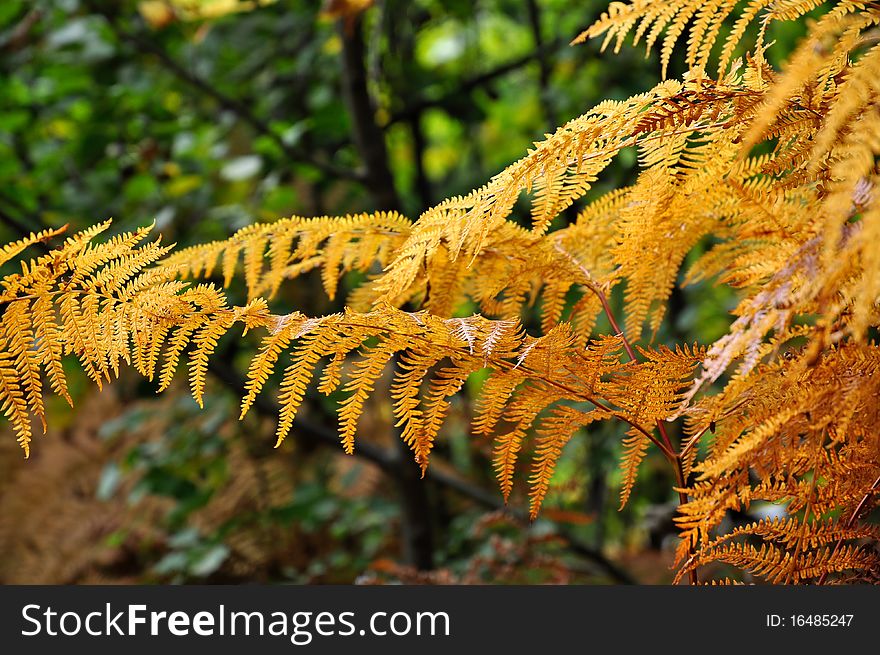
x=778, y=167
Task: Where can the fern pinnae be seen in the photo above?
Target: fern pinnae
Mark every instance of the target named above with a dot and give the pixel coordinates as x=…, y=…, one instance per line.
x=152, y=348
x=253, y=265
x=334, y=253
x=521, y=412
x=737, y=32
x=229, y=262
x=635, y=447
x=554, y=433
x=286, y=330
x=316, y=342
x=654, y=19
x=14, y=405
x=173, y=351
x=365, y=372
x=405, y=394
x=19, y=336
x=279, y=256
x=705, y=30
x=93, y=256
x=48, y=335
x=190, y=323
x=496, y=391
x=673, y=32
x=118, y=273
x=446, y=383
x=348, y=340
x=116, y=343
x=12, y=250
x=79, y=342
x=205, y=342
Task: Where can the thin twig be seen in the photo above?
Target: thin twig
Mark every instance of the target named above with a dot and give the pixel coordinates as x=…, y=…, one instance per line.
x=674, y=458
x=238, y=108
x=468, y=85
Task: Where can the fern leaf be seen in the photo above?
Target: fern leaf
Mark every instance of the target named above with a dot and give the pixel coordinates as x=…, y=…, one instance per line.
x=635, y=446
x=11, y=250
x=553, y=434
x=364, y=375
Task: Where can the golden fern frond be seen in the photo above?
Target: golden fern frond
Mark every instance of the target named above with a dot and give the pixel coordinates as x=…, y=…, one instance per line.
x=867, y=287
x=364, y=375
x=78, y=283
x=49, y=266
x=857, y=93
x=11, y=250
x=205, y=342
x=705, y=19
x=770, y=310
x=492, y=400
x=405, y=392
x=654, y=388
x=775, y=564
x=791, y=531
x=48, y=332
x=781, y=438
x=107, y=304
x=285, y=330
x=811, y=76
x=635, y=446
x=316, y=343
x=282, y=250
x=792, y=272
x=689, y=136
x=436, y=356
x=774, y=172
x=555, y=431
x=517, y=267
x=14, y=403
x=20, y=342
x=512, y=267
x=559, y=171
x=521, y=412
x=446, y=383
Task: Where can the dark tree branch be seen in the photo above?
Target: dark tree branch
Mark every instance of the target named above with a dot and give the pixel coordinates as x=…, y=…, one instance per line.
x=20, y=35
x=368, y=136
x=418, y=538
x=452, y=97
x=596, y=492
x=544, y=66
x=398, y=75
x=244, y=113
x=417, y=134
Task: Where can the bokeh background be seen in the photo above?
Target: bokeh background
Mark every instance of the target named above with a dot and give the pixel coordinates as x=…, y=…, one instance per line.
x=207, y=115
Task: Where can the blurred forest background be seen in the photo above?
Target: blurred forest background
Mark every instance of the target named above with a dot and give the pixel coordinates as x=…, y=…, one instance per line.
x=205, y=116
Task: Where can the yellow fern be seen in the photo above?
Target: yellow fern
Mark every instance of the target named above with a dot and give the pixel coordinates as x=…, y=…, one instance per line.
x=764, y=180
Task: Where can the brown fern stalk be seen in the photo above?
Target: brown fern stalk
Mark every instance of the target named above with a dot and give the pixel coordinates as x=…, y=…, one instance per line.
x=674, y=459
